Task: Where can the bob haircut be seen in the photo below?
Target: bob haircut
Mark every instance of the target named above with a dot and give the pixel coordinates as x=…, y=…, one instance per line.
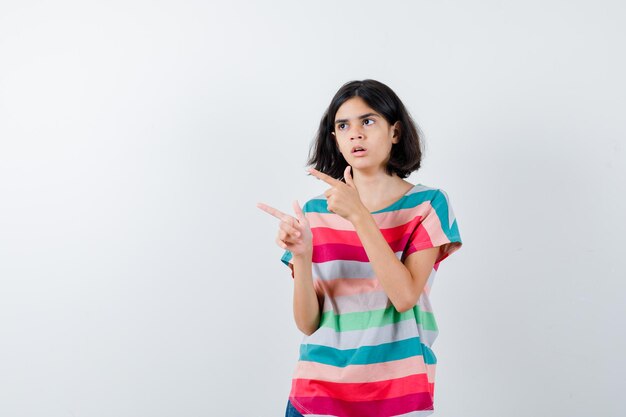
x=406, y=155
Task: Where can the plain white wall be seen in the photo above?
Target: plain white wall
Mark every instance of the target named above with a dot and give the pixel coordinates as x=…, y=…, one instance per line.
x=137, y=277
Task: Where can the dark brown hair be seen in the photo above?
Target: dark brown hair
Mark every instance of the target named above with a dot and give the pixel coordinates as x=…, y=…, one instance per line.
x=406, y=155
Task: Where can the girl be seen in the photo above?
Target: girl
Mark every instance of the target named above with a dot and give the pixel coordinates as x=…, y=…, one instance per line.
x=363, y=257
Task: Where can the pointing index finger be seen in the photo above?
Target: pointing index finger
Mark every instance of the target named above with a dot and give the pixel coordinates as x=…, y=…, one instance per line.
x=274, y=212
x=324, y=177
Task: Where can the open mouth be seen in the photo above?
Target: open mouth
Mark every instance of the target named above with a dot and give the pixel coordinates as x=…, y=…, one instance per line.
x=358, y=150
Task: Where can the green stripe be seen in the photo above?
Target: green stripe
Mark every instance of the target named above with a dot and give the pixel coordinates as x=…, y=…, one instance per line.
x=426, y=319
x=376, y=318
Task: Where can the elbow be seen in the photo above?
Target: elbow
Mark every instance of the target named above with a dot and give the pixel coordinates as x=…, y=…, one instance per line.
x=404, y=307
x=307, y=330
x=405, y=304
x=307, y=326
x=306, y=321
x=406, y=300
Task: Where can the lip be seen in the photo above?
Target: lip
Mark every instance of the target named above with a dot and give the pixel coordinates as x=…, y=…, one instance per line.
x=359, y=154
x=354, y=147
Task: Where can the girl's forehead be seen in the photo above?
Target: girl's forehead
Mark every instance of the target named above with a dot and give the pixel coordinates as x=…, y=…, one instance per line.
x=353, y=108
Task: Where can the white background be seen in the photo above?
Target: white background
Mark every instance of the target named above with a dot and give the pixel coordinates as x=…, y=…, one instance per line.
x=138, y=278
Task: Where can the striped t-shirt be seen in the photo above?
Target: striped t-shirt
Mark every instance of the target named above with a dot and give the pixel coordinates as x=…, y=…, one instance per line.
x=366, y=359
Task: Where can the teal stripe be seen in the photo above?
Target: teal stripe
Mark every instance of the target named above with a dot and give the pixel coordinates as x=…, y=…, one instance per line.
x=367, y=355
x=286, y=257
x=407, y=201
x=453, y=232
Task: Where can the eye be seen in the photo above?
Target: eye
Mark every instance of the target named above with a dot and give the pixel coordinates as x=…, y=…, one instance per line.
x=365, y=120
x=340, y=126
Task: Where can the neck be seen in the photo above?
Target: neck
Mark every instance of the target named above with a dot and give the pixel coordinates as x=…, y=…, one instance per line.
x=373, y=184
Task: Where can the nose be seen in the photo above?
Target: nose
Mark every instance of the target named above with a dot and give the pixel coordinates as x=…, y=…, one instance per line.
x=356, y=133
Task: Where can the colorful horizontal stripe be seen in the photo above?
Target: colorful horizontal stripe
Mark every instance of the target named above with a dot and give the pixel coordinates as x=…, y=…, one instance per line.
x=365, y=391
x=370, y=337
x=365, y=355
x=366, y=358
x=375, y=318
x=364, y=373
x=329, y=406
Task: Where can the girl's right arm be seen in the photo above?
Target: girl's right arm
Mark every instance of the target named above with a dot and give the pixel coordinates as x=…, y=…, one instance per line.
x=295, y=235
x=306, y=306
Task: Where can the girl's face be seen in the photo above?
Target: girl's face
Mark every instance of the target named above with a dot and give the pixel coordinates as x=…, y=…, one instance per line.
x=359, y=126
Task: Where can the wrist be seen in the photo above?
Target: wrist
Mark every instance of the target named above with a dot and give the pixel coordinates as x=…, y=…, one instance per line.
x=360, y=217
x=306, y=256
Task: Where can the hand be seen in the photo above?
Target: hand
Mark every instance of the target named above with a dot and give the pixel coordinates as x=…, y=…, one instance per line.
x=343, y=198
x=294, y=234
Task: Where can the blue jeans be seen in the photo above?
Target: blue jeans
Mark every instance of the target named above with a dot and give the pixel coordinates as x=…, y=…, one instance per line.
x=291, y=411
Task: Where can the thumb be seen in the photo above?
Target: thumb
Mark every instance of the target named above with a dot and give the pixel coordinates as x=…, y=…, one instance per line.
x=348, y=176
x=298, y=211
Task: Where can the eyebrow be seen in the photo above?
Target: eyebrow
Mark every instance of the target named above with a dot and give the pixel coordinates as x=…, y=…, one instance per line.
x=364, y=116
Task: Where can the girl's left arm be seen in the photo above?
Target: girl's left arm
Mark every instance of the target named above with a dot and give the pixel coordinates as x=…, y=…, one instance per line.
x=403, y=283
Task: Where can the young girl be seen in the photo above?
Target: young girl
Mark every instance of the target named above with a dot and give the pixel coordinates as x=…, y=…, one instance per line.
x=363, y=256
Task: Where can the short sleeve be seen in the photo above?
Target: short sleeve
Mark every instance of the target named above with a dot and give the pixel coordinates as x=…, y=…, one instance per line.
x=437, y=227
x=287, y=257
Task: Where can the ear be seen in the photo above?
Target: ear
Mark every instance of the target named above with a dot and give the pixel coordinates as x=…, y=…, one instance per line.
x=397, y=126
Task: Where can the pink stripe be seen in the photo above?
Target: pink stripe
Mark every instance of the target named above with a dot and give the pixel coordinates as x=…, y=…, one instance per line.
x=419, y=227
x=363, y=391
x=338, y=251
x=340, y=289
x=430, y=371
x=383, y=220
x=356, y=303
x=335, y=251
x=365, y=373
x=447, y=247
x=378, y=408
x=326, y=235
x=347, y=286
x=331, y=220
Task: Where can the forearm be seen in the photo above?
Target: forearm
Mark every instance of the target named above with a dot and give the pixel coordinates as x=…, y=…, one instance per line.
x=306, y=308
x=393, y=275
